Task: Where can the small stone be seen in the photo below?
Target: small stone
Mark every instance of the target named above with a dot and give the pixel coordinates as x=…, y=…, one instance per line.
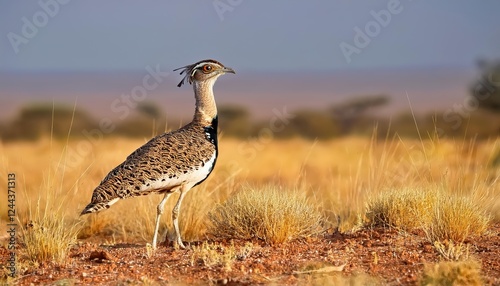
x=222, y=281
x=101, y=256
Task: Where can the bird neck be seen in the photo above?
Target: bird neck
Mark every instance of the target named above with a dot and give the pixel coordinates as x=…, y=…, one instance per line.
x=206, y=109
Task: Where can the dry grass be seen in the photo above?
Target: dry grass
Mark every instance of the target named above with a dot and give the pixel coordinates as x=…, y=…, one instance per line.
x=339, y=174
x=441, y=214
x=219, y=255
x=405, y=209
x=94, y=224
x=268, y=213
x=48, y=239
x=457, y=218
x=452, y=251
x=462, y=273
x=211, y=255
x=47, y=232
x=446, y=218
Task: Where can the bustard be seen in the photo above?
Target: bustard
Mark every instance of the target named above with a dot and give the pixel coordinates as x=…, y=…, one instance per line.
x=170, y=162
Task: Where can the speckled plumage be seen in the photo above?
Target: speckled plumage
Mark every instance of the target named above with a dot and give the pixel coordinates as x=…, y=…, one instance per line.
x=170, y=162
x=164, y=158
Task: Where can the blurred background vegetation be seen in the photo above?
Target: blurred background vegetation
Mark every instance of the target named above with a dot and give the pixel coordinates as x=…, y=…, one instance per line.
x=477, y=116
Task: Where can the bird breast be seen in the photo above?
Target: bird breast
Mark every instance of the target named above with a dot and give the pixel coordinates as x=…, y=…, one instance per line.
x=190, y=178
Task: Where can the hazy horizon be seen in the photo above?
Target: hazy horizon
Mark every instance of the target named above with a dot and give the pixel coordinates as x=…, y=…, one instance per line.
x=429, y=90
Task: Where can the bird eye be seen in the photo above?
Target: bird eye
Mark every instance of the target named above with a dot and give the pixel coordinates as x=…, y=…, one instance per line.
x=207, y=68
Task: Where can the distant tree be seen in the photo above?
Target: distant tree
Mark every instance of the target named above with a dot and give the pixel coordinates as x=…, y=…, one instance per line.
x=314, y=124
x=349, y=112
x=39, y=120
x=146, y=121
x=138, y=127
x=150, y=109
x=486, y=89
x=234, y=121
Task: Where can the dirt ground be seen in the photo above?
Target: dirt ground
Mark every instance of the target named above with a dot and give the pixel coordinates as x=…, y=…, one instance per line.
x=395, y=257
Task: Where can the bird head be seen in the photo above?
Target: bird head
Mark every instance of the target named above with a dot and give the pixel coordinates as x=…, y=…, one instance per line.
x=203, y=70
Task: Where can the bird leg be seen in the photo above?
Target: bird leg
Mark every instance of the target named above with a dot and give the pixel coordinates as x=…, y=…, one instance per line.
x=175, y=217
x=159, y=211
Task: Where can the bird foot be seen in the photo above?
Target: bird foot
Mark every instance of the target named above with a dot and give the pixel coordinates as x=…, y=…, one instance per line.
x=150, y=250
x=176, y=244
x=179, y=244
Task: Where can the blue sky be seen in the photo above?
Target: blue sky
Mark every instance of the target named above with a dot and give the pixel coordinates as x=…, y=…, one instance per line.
x=257, y=35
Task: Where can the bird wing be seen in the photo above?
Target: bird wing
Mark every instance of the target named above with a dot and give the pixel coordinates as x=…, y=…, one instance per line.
x=163, y=163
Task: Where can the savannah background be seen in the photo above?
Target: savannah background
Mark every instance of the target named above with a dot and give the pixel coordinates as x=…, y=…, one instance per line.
x=378, y=166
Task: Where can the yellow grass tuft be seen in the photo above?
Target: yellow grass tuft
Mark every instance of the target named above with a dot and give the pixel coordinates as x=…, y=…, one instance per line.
x=218, y=255
x=456, y=218
x=47, y=232
x=405, y=209
x=48, y=239
x=442, y=215
x=452, y=251
x=268, y=213
x=461, y=273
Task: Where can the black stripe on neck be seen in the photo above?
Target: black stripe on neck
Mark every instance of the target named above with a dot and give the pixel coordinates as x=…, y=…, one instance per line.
x=211, y=131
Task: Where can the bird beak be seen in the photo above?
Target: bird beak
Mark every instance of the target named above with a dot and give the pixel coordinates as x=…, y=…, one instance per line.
x=228, y=70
